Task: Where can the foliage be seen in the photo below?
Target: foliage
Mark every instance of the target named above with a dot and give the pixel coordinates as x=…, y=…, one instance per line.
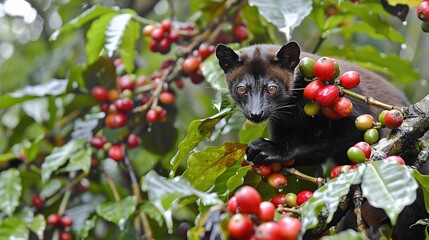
x=189, y=161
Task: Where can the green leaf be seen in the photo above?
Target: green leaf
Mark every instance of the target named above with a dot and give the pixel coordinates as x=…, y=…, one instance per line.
x=59, y=157
x=118, y=212
x=285, y=17
x=50, y=188
x=83, y=128
x=166, y=194
x=389, y=186
x=127, y=50
x=31, y=149
x=81, y=160
x=13, y=228
x=152, y=212
x=423, y=181
x=37, y=225
x=238, y=179
x=347, y=234
x=87, y=227
x=10, y=190
x=213, y=73
x=397, y=68
x=197, y=130
x=82, y=19
x=329, y=197
x=115, y=31
x=411, y=3
x=251, y=131
x=96, y=38
x=52, y=88
x=204, y=167
x=362, y=27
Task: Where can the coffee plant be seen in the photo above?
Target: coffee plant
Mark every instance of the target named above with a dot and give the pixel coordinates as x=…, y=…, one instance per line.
x=133, y=136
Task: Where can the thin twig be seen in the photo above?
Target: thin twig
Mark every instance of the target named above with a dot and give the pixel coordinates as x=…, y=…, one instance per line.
x=294, y=172
x=357, y=200
x=371, y=101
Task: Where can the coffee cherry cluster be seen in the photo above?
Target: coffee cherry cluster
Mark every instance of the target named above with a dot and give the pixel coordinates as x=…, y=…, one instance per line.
x=63, y=223
x=254, y=218
x=271, y=174
x=388, y=118
x=423, y=14
x=324, y=92
x=162, y=36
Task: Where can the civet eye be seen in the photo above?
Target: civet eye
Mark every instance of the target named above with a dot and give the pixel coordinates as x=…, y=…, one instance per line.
x=272, y=90
x=241, y=90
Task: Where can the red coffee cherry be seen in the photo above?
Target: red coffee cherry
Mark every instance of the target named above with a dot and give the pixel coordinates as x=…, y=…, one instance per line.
x=232, y=205
x=290, y=228
x=266, y=211
x=66, y=221
x=303, y=197
x=277, y=180
x=37, y=201
x=262, y=169
x=393, y=119
x=268, y=231
x=350, y=79
x=99, y=93
x=133, y=141
x=327, y=95
x=248, y=199
x=191, y=64
x=167, y=98
x=152, y=116
x=423, y=11
x=66, y=235
x=240, y=226
x=116, y=120
x=98, y=142
x=324, y=69
x=241, y=33
x=312, y=88
x=54, y=219
x=343, y=106
x=116, y=153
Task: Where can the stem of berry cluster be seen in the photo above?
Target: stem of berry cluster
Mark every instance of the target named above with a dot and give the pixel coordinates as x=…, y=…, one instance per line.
x=357, y=200
x=294, y=172
x=372, y=101
x=136, y=192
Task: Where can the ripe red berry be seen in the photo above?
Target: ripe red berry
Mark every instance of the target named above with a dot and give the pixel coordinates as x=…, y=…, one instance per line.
x=196, y=77
x=113, y=95
x=124, y=104
x=191, y=64
x=279, y=199
x=266, y=211
x=268, y=231
x=152, y=116
x=173, y=36
x=126, y=82
x=324, y=69
x=248, y=199
x=393, y=119
x=336, y=171
x=303, y=196
x=330, y=113
x=98, y=142
x=66, y=221
x=133, y=141
x=206, y=50
x=116, y=120
x=66, y=235
x=350, y=79
x=343, y=106
x=365, y=147
x=232, y=205
x=240, y=226
x=37, y=201
x=423, y=11
x=116, y=153
x=327, y=95
x=240, y=33
x=54, y=219
x=395, y=159
x=262, y=169
x=167, y=98
x=164, y=46
x=277, y=180
x=153, y=46
x=290, y=228
x=166, y=25
x=99, y=93
x=157, y=34
x=312, y=88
